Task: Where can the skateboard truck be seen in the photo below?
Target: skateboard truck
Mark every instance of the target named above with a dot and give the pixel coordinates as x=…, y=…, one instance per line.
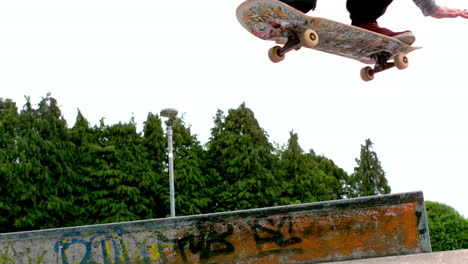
x=400, y=61
x=293, y=43
x=382, y=61
x=296, y=39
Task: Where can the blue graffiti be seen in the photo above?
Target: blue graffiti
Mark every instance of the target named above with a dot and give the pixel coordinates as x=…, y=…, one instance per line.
x=116, y=241
x=64, y=244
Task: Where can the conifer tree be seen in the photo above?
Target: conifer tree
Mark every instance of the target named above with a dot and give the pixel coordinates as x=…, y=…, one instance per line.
x=85, y=140
x=156, y=182
x=119, y=172
x=336, y=181
x=368, y=177
x=241, y=161
x=308, y=177
x=189, y=171
x=43, y=172
x=9, y=121
x=29, y=206
x=298, y=174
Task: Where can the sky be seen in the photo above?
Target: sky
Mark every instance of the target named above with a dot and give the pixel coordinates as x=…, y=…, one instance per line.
x=122, y=59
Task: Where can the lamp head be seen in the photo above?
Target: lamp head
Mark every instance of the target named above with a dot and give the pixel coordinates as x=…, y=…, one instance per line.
x=169, y=112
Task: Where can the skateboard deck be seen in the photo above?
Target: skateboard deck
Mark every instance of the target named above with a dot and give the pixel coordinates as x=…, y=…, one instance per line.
x=276, y=21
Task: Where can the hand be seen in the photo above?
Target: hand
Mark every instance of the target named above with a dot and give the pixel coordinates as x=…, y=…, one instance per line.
x=445, y=12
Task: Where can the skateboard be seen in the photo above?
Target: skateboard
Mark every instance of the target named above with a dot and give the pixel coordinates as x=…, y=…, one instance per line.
x=276, y=21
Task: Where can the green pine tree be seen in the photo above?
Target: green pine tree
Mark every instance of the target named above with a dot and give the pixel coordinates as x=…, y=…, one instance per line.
x=156, y=183
x=85, y=139
x=42, y=168
x=189, y=171
x=119, y=171
x=335, y=181
x=308, y=177
x=240, y=162
x=57, y=162
x=9, y=122
x=368, y=177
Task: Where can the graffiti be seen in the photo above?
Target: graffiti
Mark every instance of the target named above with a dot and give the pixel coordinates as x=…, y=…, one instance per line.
x=31, y=259
x=278, y=235
x=115, y=246
x=205, y=242
x=110, y=244
x=211, y=243
x=4, y=259
x=264, y=235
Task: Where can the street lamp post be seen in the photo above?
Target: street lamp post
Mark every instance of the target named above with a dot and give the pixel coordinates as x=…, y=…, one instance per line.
x=170, y=112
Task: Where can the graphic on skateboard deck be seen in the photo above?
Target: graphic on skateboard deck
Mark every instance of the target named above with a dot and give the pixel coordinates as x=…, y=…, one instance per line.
x=276, y=21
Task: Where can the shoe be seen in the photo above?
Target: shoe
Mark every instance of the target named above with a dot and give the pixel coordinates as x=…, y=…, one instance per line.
x=404, y=36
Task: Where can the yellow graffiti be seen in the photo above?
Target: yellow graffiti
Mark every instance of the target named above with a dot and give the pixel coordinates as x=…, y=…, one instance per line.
x=109, y=250
x=66, y=253
x=5, y=258
x=126, y=253
x=108, y=247
x=154, y=252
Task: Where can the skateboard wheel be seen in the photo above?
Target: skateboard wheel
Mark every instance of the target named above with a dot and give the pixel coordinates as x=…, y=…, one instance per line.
x=274, y=55
x=401, y=61
x=309, y=38
x=367, y=74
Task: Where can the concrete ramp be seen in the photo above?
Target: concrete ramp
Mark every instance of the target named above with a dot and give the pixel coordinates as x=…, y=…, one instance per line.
x=318, y=232
x=446, y=257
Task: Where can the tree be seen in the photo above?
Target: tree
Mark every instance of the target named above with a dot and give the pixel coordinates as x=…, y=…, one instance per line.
x=308, y=177
x=191, y=181
x=119, y=172
x=240, y=162
x=86, y=141
x=335, y=182
x=368, y=177
x=447, y=228
x=9, y=121
x=157, y=183
x=42, y=169
x=57, y=161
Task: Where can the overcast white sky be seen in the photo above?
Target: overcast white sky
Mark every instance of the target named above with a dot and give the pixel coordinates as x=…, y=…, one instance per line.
x=117, y=59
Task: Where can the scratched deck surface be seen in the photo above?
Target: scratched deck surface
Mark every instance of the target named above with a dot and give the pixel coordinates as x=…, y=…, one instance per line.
x=271, y=20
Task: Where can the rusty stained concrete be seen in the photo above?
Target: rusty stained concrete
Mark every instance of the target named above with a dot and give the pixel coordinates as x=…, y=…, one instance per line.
x=338, y=230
